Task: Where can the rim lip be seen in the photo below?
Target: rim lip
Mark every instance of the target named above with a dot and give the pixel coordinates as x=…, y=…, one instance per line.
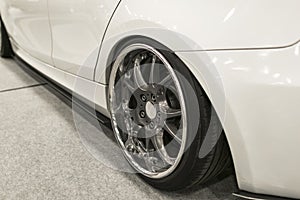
x=129, y=158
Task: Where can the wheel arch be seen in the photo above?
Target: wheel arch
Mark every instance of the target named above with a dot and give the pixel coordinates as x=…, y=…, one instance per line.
x=201, y=80
x=207, y=74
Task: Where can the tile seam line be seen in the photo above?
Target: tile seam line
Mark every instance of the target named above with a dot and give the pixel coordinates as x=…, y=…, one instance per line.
x=22, y=88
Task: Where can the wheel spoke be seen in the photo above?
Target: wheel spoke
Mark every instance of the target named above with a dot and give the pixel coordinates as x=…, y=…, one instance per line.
x=138, y=149
x=138, y=76
x=122, y=116
x=122, y=107
x=128, y=84
x=152, y=71
x=135, y=128
x=171, y=129
x=161, y=150
x=173, y=89
x=166, y=81
x=147, y=143
x=152, y=162
x=118, y=109
x=171, y=113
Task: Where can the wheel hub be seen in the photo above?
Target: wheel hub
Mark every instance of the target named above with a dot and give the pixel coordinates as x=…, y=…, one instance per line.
x=146, y=111
x=151, y=110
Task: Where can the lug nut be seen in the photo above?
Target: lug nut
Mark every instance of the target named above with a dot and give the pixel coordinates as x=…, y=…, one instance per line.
x=142, y=114
x=144, y=98
x=153, y=98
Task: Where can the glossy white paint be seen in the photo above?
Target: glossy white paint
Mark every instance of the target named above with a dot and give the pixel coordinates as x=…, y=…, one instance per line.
x=206, y=24
x=262, y=100
x=255, y=92
x=29, y=26
x=77, y=29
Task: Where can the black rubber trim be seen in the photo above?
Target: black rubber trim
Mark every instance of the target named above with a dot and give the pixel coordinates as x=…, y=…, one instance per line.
x=63, y=93
x=6, y=49
x=249, y=195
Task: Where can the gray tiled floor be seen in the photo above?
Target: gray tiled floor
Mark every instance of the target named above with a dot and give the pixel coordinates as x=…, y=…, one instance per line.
x=11, y=76
x=41, y=156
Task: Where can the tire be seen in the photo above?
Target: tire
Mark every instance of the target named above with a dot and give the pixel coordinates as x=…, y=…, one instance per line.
x=5, y=46
x=190, y=170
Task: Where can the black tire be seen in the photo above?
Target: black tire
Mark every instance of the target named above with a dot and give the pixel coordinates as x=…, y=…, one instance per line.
x=192, y=170
x=6, y=50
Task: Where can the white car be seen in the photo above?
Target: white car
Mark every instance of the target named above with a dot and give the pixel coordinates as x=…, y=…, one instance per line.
x=188, y=85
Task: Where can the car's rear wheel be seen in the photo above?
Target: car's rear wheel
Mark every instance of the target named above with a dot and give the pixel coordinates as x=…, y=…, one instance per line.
x=160, y=117
x=5, y=46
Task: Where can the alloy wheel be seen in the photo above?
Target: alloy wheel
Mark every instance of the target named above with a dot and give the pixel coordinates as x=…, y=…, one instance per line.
x=147, y=111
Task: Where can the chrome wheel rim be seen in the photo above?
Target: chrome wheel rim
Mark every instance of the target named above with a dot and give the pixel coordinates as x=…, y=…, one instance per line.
x=147, y=111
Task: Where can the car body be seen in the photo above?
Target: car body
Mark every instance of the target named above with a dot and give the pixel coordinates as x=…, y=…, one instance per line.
x=245, y=55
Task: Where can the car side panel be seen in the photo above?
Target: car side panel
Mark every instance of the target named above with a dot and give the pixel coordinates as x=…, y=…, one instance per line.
x=257, y=99
x=77, y=29
x=204, y=25
x=28, y=25
x=215, y=24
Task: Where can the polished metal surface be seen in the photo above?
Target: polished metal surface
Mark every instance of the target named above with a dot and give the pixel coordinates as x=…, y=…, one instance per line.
x=148, y=111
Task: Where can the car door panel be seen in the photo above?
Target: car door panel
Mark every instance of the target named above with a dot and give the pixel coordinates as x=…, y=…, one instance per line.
x=28, y=24
x=77, y=29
